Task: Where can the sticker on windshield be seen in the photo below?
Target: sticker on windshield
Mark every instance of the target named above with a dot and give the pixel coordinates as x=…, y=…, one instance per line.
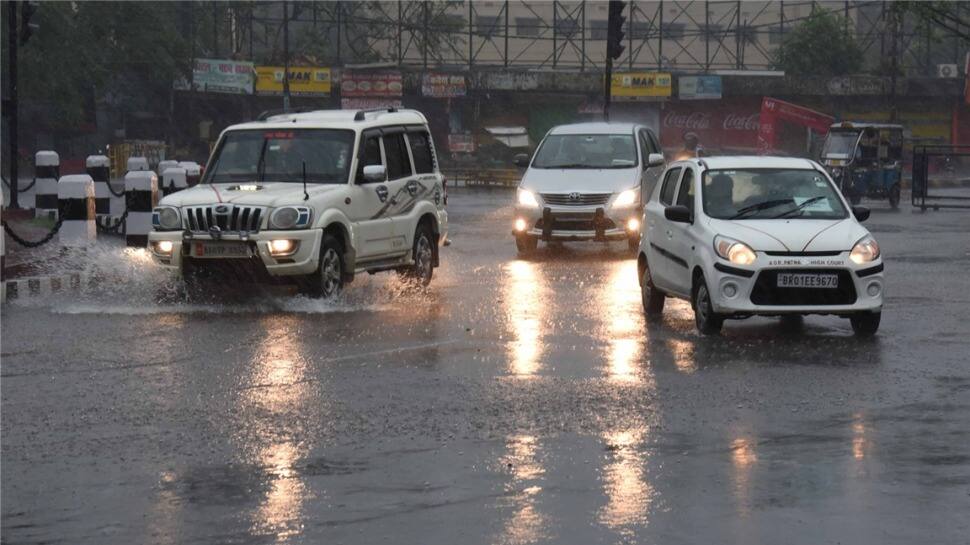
x=821, y=205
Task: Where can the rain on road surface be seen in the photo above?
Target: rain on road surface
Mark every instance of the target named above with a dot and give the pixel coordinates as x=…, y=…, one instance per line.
x=515, y=402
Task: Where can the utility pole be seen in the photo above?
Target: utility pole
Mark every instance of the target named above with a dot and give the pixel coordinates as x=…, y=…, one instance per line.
x=12, y=101
x=286, y=57
x=614, y=48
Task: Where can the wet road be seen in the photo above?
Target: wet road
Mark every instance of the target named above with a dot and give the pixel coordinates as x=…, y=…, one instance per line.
x=516, y=402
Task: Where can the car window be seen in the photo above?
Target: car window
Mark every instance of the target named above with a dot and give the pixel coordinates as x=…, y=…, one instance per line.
x=421, y=150
x=644, y=146
x=593, y=151
x=669, y=186
x=283, y=156
x=765, y=193
x=686, y=195
x=371, y=155
x=398, y=162
x=649, y=145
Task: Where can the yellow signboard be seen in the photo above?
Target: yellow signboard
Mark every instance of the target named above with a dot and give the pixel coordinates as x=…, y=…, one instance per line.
x=304, y=80
x=637, y=85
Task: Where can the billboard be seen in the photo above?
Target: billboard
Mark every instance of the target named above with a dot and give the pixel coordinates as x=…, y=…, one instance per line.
x=443, y=85
x=380, y=84
x=220, y=76
x=699, y=87
x=304, y=81
x=640, y=85
x=727, y=126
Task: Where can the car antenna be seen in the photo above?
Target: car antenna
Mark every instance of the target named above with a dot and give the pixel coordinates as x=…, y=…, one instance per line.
x=306, y=196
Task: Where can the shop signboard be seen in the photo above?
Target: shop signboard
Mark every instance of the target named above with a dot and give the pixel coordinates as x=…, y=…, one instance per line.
x=370, y=84
x=461, y=143
x=304, y=81
x=699, y=87
x=220, y=76
x=640, y=85
x=443, y=85
x=370, y=103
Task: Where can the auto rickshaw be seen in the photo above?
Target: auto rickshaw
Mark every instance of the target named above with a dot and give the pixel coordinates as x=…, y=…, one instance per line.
x=865, y=160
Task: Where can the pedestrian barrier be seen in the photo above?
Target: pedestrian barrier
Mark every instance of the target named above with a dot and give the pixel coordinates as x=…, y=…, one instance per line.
x=137, y=163
x=76, y=210
x=165, y=165
x=47, y=166
x=141, y=196
x=41, y=286
x=484, y=177
x=173, y=179
x=99, y=169
x=193, y=171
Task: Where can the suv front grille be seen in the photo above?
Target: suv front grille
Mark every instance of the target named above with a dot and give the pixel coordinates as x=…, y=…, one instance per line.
x=227, y=217
x=575, y=199
x=767, y=292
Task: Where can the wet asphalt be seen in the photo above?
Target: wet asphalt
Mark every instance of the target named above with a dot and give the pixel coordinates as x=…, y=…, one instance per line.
x=517, y=401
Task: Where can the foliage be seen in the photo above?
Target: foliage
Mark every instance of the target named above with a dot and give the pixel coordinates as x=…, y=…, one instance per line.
x=819, y=46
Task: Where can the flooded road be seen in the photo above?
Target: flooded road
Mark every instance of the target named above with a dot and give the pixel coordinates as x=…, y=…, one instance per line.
x=518, y=401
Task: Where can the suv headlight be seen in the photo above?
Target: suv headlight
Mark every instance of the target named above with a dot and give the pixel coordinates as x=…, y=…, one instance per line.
x=290, y=217
x=627, y=198
x=734, y=251
x=167, y=218
x=527, y=198
x=864, y=251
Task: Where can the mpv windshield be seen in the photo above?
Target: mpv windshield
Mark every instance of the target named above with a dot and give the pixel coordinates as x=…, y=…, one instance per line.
x=276, y=155
x=769, y=194
x=586, y=151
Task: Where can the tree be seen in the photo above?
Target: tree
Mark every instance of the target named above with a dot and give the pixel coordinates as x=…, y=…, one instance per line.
x=819, y=46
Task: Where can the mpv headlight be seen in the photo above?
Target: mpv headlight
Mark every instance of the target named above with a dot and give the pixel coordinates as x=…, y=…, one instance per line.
x=527, y=198
x=734, y=251
x=167, y=218
x=290, y=217
x=864, y=251
x=627, y=198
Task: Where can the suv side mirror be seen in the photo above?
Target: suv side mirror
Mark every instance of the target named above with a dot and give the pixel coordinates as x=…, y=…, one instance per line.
x=375, y=173
x=679, y=213
x=655, y=160
x=521, y=160
x=861, y=213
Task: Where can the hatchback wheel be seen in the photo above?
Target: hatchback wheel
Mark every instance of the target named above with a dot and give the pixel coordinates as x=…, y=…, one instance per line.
x=865, y=324
x=708, y=322
x=653, y=299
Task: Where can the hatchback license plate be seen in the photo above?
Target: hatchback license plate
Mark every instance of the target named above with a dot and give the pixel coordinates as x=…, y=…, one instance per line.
x=220, y=249
x=790, y=280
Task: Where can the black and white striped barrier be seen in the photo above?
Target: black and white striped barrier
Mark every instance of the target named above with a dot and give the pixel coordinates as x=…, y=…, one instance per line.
x=173, y=179
x=75, y=205
x=99, y=169
x=165, y=165
x=193, y=171
x=47, y=169
x=42, y=286
x=137, y=163
x=141, y=196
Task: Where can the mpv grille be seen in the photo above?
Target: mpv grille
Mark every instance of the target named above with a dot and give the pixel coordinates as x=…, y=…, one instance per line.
x=575, y=199
x=227, y=217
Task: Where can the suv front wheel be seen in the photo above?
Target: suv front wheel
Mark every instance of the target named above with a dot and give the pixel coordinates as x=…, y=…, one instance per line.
x=327, y=282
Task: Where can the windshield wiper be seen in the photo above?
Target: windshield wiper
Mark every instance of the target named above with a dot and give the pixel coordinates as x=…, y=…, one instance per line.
x=800, y=206
x=764, y=205
x=261, y=164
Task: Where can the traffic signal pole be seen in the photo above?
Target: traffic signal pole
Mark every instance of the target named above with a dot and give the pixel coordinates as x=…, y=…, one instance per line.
x=607, y=88
x=12, y=102
x=614, y=48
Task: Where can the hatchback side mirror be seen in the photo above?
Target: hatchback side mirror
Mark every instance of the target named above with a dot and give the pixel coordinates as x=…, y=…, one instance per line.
x=861, y=213
x=679, y=213
x=375, y=173
x=521, y=160
x=655, y=160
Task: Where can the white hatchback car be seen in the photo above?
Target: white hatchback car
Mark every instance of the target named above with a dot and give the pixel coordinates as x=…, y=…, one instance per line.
x=743, y=236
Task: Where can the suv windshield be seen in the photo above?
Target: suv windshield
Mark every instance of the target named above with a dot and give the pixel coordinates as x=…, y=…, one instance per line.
x=770, y=193
x=840, y=144
x=586, y=151
x=277, y=155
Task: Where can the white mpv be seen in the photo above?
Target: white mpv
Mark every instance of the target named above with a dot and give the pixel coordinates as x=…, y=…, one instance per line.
x=743, y=236
x=311, y=198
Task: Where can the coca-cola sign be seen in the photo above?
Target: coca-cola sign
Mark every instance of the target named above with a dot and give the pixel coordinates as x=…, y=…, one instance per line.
x=694, y=120
x=735, y=122
x=728, y=125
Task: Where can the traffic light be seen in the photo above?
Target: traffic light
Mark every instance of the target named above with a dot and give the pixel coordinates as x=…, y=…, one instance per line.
x=26, y=27
x=614, y=30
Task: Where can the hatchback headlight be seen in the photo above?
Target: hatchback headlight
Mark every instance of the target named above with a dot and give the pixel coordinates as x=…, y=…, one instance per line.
x=734, y=251
x=627, y=198
x=864, y=251
x=167, y=218
x=290, y=217
x=527, y=198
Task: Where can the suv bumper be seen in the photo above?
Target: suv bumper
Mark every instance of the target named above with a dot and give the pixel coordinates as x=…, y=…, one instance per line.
x=303, y=261
x=579, y=223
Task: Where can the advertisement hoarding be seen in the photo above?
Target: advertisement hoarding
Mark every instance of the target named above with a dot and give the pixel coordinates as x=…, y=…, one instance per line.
x=640, y=85
x=304, y=81
x=699, y=87
x=729, y=125
x=220, y=76
x=380, y=84
x=443, y=85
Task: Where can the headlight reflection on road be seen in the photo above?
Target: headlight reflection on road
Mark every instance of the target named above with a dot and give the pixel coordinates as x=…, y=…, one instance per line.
x=860, y=443
x=629, y=494
x=526, y=300
x=743, y=458
x=526, y=524
x=621, y=310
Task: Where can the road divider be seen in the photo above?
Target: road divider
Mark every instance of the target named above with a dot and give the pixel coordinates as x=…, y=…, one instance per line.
x=47, y=167
x=76, y=211
x=141, y=196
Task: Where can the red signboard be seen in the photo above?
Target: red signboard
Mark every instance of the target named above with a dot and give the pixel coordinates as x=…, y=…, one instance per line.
x=383, y=84
x=774, y=110
x=728, y=125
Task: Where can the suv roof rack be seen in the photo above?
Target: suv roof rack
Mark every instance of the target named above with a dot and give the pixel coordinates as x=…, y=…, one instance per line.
x=263, y=116
x=360, y=115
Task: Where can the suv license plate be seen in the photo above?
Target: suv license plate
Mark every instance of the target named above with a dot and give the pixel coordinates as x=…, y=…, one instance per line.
x=220, y=249
x=790, y=280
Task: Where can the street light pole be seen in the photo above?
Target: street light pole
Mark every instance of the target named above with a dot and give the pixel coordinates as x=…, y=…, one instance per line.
x=12, y=102
x=286, y=57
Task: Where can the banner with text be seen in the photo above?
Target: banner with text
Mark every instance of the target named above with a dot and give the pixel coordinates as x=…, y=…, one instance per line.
x=729, y=125
x=699, y=87
x=381, y=84
x=304, y=81
x=443, y=85
x=640, y=85
x=220, y=76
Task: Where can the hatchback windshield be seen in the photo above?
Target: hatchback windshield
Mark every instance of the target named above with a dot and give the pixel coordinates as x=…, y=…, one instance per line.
x=770, y=193
x=282, y=156
x=840, y=144
x=586, y=151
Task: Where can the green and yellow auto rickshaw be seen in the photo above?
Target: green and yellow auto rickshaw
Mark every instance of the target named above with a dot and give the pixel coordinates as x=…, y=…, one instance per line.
x=865, y=160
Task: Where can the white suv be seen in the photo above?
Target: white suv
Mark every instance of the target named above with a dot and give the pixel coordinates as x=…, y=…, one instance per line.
x=743, y=236
x=585, y=183
x=313, y=198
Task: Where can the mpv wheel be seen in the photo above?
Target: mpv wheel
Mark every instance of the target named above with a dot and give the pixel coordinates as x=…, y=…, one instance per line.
x=865, y=324
x=526, y=244
x=708, y=322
